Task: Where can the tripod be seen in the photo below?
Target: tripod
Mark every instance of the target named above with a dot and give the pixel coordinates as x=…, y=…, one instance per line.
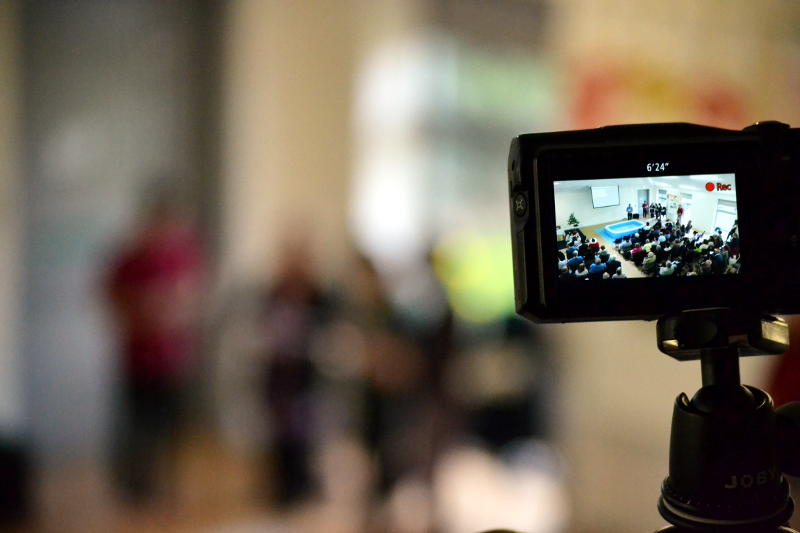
x=729, y=447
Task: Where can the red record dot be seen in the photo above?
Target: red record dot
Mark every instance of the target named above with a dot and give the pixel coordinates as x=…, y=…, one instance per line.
x=709, y=186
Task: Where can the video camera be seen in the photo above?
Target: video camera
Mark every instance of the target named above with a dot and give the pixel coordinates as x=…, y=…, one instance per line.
x=693, y=217
x=698, y=227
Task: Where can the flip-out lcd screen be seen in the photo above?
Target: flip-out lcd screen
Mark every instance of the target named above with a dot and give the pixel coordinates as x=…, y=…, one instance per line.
x=665, y=226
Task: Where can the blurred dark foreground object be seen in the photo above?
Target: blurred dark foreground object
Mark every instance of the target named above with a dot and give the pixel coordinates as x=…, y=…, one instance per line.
x=15, y=504
x=673, y=529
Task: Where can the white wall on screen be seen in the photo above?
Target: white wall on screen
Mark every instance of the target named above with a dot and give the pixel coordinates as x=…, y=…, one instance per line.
x=579, y=201
x=704, y=203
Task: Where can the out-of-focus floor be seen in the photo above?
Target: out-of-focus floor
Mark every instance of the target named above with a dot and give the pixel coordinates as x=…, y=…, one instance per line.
x=217, y=492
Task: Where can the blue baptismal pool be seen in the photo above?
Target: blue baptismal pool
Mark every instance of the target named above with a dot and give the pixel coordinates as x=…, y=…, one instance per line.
x=620, y=229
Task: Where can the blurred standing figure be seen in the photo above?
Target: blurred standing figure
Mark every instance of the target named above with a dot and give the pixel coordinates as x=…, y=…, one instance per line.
x=785, y=381
x=397, y=400
x=293, y=312
x=784, y=386
x=154, y=288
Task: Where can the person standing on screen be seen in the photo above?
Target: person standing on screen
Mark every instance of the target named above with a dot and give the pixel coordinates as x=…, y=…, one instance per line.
x=644, y=209
x=680, y=213
x=629, y=210
x=734, y=229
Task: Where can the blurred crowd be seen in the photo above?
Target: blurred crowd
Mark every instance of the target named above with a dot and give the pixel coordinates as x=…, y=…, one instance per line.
x=405, y=415
x=335, y=361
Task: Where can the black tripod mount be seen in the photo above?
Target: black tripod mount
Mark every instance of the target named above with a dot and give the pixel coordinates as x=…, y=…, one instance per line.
x=729, y=447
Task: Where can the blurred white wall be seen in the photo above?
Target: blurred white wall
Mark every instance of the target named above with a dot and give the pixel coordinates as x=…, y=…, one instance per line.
x=109, y=106
x=287, y=147
x=107, y=112
x=10, y=221
x=671, y=60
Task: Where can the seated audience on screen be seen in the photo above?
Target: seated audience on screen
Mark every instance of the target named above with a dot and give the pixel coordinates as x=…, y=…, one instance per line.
x=562, y=260
x=603, y=255
x=661, y=254
x=612, y=265
x=649, y=265
x=667, y=269
x=574, y=261
x=637, y=256
x=597, y=269
x=668, y=250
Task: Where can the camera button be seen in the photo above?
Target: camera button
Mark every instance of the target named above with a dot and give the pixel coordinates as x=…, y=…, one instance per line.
x=767, y=125
x=520, y=205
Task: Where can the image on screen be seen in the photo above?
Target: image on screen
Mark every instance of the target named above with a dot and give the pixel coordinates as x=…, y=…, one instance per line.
x=665, y=226
x=605, y=196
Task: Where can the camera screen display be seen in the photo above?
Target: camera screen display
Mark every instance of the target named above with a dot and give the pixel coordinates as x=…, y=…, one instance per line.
x=664, y=226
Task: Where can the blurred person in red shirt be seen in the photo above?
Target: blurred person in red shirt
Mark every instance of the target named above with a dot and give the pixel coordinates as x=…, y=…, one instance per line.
x=154, y=289
x=784, y=386
x=785, y=380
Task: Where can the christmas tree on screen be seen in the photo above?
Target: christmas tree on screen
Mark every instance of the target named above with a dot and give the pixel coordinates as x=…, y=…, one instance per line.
x=572, y=220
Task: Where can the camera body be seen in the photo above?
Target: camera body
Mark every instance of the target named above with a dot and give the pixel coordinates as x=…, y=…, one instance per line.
x=629, y=193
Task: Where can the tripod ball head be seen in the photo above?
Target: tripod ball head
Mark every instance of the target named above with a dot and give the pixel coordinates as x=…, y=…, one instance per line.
x=729, y=447
x=724, y=467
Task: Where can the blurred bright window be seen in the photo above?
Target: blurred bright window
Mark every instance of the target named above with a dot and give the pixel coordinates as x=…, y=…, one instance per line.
x=435, y=114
